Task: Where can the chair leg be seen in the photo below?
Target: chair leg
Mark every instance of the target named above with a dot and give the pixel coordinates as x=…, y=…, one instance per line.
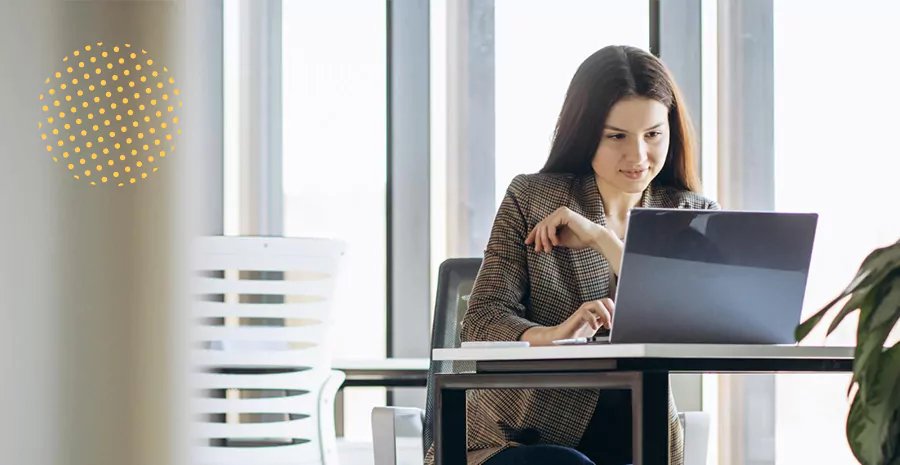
x=328, y=442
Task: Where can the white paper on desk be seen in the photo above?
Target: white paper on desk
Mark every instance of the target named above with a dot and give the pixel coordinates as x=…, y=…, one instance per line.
x=494, y=344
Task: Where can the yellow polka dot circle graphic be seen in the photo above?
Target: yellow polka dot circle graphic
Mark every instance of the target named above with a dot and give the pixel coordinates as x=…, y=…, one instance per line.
x=110, y=115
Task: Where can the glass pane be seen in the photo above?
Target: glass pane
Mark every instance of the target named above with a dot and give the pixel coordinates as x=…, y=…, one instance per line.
x=539, y=45
x=832, y=156
x=334, y=110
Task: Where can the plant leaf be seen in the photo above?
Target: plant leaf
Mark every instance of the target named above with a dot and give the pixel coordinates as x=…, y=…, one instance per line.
x=882, y=300
x=873, y=426
x=853, y=304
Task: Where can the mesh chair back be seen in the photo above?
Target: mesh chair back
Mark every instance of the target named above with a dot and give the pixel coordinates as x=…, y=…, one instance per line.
x=455, y=279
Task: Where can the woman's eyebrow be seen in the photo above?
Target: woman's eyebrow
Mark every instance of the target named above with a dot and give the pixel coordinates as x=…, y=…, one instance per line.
x=613, y=128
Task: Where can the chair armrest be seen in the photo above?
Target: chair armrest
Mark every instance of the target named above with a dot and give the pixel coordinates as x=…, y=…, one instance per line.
x=696, y=437
x=327, y=438
x=384, y=430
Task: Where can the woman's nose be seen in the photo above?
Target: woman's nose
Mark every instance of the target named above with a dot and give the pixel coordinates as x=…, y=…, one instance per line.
x=637, y=152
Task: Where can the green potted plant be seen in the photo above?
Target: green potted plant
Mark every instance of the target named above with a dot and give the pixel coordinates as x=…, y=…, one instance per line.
x=873, y=424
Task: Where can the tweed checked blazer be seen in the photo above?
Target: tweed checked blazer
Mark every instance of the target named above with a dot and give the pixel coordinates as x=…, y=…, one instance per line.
x=518, y=288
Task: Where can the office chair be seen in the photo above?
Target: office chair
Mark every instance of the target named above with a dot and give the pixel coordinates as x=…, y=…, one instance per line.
x=455, y=279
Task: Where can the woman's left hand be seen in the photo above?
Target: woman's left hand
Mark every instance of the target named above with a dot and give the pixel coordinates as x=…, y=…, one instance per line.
x=564, y=228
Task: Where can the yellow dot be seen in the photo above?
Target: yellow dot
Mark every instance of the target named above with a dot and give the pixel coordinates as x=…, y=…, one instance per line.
x=61, y=86
x=163, y=125
x=106, y=123
x=162, y=154
x=135, y=124
x=131, y=84
x=141, y=136
x=121, y=61
x=100, y=139
x=150, y=158
x=87, y=172
x=45, y=108
x=81, y=64
x=103, y=179
x=122, y=157
x=147, y=119
x=54, y=159
x=80, y=93
x=81, y=161
x=83, y=133
x=69, y=69
x=126, y=72
x=77, y=149
x=115, y=77
x=127, y=169
x=105, y=151
x=60, y=143
x=50, y=119
x=56, y=103
x=47, y=81
x=97, y=71
x=71, y=138
x=119, y=88
x=109, y=66
x=149, y=62
x=58, y=75
x=99, y=167
x=154, y=74
x=76, y=177
x=102, y=111
x=146, y=147
x=171, y=80
x=84, y=104
x=124, y=129
x=91, y=87
x=90, y=116
x=159, y=85
x=143, y=175
x=87, y=76
x=148, y=90
x=118, y=145
x=132, y=180
x=175, y=120
x=74, y=81
x=67, y=126
x=152, y=130
x=116, y=174
x=116, y=49
x=104, y=54
x=96, y=127
x=62, y=114
x=133, y=153
x=143, y=78
x=40, y=125
x=139, y=164
x=89, y=144
x=77, y=120
x=154, y=169
x=108, y=94
x=137, y=95
x=65, y=154
x=128, y=140
x=158, y=114
x=113, y=105
x=133, y=56
x=103, y=82
x=55, y=131
x=71, y=166
x=87, y=47
x=170, y=108
x=49, y=148
x=68, y=98
x=137, y=67
x=141, y=106
x=125, y=100
x=93, y=59
x=93, y=156
x=96, y=99
x=110, y=163
x=112, y=134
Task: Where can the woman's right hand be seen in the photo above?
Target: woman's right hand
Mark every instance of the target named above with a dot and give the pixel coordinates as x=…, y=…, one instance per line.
x=585, y=322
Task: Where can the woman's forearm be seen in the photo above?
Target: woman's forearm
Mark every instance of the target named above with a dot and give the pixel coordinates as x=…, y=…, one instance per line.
x=539, y=335
x=611, y=247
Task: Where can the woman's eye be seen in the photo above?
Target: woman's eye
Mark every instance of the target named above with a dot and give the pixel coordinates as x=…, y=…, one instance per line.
x=654, y=134
x=616, y=136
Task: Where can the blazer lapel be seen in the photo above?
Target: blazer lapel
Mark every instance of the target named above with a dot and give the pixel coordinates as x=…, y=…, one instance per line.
x=591, y=268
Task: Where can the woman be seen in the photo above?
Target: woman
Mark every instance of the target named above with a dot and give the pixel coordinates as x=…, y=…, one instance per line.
x=623, y=140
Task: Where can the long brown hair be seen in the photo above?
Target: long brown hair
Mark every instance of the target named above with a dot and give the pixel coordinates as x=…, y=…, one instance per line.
x=609, y=75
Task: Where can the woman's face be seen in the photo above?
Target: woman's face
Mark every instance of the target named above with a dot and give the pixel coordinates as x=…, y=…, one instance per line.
x=634, y=144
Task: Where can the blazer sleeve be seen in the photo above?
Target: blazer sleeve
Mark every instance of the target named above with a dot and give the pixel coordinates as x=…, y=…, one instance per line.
x=712, y=205
x=496, y=311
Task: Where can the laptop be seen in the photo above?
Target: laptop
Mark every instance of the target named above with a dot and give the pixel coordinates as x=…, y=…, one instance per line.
x=712, y=277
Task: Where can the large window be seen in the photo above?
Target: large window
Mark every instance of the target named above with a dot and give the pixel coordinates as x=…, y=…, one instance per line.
x=539, y=45
x=834, y=155
x=334, y=152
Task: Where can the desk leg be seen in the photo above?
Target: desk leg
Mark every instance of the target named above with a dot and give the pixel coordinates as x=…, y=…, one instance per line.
x=450, y=425
x=650, y=410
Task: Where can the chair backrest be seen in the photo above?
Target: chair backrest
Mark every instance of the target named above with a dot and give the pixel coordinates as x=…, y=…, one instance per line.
x=262, y=347
x=456, y=277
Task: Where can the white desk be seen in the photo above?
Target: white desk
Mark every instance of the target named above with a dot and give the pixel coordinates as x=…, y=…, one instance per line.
x=642, y=368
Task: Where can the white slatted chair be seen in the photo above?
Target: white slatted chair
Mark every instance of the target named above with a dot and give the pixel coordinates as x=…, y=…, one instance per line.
x=263, y=349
